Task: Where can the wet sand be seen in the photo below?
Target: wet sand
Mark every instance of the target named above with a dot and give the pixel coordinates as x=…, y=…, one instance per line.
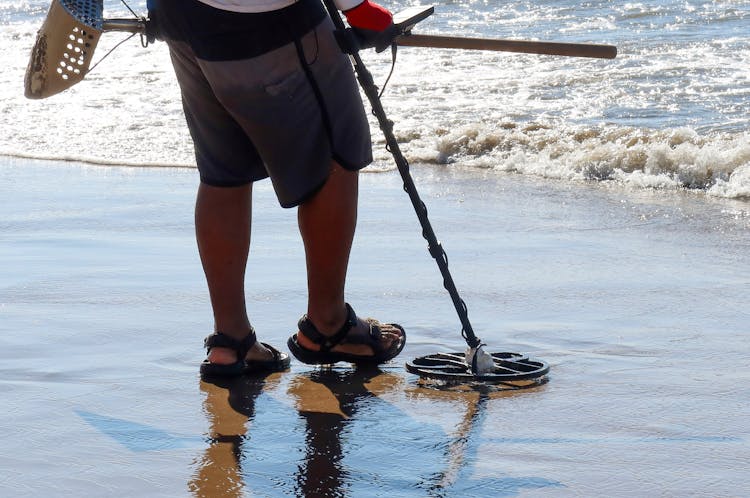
x=638, y=300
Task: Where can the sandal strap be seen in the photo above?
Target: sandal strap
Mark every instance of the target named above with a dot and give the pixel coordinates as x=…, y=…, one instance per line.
x=308, y=328
x=221, y=340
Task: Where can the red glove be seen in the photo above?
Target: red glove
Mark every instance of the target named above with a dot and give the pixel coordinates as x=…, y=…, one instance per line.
x=369, y=16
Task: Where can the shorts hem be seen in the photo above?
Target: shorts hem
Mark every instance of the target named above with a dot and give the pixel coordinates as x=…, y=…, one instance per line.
x=225, y=184
x=305, y=197
x=351, y=166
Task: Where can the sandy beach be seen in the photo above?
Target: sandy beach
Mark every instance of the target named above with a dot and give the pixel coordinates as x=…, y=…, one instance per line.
x=636, y=298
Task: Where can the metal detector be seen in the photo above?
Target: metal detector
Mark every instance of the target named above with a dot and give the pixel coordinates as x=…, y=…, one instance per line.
x=475, y=364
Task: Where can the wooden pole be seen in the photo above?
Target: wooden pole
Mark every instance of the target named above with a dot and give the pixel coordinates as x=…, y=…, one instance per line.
x=521, y=46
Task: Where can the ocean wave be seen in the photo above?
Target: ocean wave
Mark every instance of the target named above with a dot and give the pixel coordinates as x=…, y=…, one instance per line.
x=717, y=164
x=680, y=158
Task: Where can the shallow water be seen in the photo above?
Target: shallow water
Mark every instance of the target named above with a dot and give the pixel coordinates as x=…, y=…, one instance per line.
x=636, y=299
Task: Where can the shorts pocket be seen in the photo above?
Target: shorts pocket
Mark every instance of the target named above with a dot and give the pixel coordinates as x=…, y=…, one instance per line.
x=286, y=86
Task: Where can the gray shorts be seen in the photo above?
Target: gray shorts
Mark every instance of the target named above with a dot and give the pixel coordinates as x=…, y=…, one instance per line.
x=284, y=114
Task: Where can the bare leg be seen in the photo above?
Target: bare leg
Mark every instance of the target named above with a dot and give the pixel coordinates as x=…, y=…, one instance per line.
x=222, y=228
x=327, y=223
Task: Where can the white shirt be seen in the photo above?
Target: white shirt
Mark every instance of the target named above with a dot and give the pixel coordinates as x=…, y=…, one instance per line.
x=248, y=6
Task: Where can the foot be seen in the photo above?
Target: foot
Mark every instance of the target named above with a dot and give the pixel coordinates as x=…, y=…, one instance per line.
x=229, y=357
x=389, y=334
x=355, y=341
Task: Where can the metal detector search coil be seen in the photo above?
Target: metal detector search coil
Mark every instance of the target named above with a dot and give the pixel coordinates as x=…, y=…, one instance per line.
x=509, y=367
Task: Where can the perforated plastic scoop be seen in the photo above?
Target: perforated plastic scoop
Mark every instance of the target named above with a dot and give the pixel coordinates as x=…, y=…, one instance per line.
x=62, y=53
x=65, y=45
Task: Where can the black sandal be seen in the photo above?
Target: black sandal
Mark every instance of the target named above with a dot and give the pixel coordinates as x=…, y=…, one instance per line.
x=279, y=362
x=326, y=357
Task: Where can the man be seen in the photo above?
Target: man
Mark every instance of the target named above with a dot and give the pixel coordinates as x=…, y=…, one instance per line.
x=268, y=93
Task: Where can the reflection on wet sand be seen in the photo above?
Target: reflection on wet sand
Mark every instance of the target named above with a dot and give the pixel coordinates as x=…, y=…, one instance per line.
x=475, y=397
x=343, y=451
x=327, y=400
x=229, y=405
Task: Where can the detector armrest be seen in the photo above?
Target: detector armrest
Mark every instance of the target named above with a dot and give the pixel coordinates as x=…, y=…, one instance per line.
x=403, y=22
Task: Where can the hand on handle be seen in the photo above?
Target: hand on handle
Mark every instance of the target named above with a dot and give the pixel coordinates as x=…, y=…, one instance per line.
x=371, y=23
